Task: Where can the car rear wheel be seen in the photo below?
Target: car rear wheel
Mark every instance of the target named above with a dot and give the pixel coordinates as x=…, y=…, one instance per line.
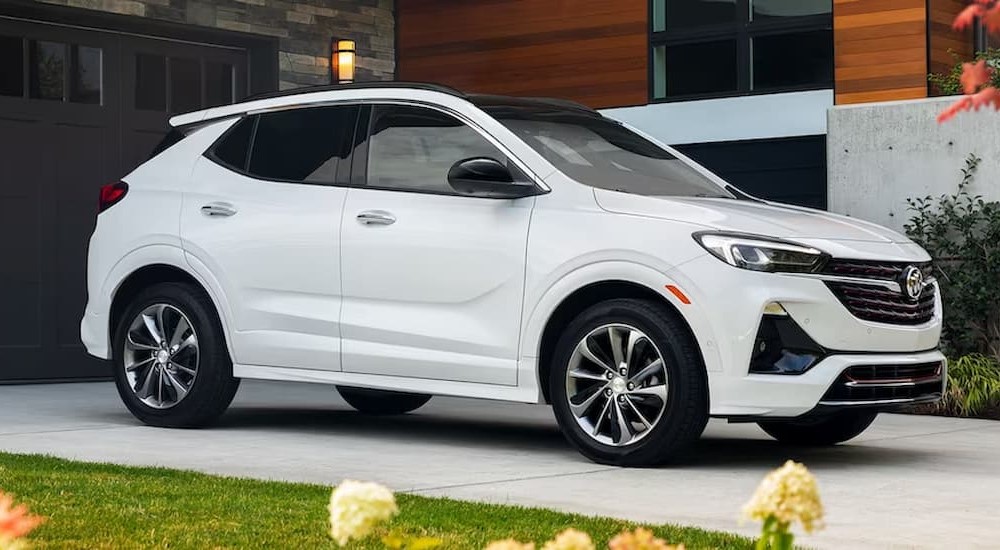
x=820, y=431
x=628, y=384
x=382, y=401
x=171, y=365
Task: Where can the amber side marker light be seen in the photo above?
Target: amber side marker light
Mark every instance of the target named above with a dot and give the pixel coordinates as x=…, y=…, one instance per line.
x=680, y=295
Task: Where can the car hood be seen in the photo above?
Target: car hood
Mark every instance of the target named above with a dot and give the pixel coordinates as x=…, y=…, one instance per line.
x=746, y=216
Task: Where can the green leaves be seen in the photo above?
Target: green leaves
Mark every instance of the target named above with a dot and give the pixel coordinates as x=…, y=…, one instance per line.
x=973, y=385
x=962, y=234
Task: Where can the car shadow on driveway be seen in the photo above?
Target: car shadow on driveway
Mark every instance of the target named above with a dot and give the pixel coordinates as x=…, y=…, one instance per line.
x=535, y=435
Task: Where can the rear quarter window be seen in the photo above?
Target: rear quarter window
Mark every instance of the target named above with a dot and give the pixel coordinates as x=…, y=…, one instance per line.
x=233, y=148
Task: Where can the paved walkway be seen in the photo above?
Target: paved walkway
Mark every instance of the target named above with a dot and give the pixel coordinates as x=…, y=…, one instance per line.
x=909, y=482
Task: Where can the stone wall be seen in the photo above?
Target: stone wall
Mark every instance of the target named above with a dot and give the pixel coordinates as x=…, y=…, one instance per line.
x=304, y=29
x=879, y=154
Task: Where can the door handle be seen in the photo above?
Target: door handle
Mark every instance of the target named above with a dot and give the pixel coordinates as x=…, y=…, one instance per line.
x=376, y=217
x=218, y=209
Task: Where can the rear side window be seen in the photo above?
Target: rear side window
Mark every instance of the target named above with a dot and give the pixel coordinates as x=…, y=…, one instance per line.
x=234, y=147
x=307, y=145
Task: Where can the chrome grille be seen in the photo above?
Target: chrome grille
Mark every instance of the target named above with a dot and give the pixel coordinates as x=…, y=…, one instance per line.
x=887, y=383
x=872, y=302
x=884, y=271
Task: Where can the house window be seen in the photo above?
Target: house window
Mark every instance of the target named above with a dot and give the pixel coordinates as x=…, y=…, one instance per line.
x=720, y=48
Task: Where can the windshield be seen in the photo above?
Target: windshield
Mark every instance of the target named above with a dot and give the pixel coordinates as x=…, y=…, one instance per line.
x=599, y=152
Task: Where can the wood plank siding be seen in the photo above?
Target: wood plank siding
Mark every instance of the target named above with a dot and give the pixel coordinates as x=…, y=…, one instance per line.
x=945, y=43
x=880, y=50
x=591, y=51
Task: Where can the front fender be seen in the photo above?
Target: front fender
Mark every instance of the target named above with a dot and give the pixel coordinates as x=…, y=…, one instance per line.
x=656, y=280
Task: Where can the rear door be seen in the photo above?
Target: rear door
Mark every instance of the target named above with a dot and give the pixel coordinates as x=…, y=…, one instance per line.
x=266, y=225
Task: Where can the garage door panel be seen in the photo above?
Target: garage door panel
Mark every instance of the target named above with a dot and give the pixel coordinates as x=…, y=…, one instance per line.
x=83, y=152
x=68, y=125
x=20, y=236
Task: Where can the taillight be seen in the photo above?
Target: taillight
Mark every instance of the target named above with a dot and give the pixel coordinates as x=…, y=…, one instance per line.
x=111, y=194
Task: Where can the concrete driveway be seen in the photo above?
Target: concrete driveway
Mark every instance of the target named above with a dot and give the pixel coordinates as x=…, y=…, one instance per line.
x=910, y=481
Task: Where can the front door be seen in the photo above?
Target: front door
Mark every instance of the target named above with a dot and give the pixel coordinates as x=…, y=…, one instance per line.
x=432, y=281
x=266, y=225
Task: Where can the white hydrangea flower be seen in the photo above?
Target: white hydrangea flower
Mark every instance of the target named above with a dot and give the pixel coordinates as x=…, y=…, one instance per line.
x=570, y=539
x=356, y=507
x=789, y=494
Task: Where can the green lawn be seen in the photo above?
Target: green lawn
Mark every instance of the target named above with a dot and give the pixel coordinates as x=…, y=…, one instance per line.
x=103, y=506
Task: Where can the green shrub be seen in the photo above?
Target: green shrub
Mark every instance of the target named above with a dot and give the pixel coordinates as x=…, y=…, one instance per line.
x=961, y=232
x=973, y=386
x=950, y=84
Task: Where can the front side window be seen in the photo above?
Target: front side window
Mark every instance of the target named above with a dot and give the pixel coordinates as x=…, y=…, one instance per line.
x=413, y=148
x=307, y=145
x=602, y=153
x=745, y=46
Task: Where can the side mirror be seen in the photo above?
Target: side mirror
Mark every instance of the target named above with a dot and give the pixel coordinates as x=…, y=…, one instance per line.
x=487, y=177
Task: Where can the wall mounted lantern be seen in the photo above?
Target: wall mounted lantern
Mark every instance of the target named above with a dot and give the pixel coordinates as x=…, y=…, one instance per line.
x=341, y=61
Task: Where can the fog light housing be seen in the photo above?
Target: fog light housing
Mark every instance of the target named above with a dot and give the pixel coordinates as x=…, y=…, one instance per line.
x=781, y=346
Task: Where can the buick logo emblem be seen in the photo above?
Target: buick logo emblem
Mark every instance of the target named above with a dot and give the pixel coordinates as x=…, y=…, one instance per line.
x=912, y=282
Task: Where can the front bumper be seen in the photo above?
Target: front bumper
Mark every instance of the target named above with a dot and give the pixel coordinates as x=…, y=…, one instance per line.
x=786, y=396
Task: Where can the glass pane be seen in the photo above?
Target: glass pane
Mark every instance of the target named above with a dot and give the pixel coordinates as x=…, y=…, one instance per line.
x=599, y=152
x=303, y=145
x=659, y=15
x=185, y=85
x=150, y=82
x=85, y=75
x=659, y=72
x=776, y=9
x=703, y=68
x=218, y=84
x=684, y=14
x=234, y=148
x=11, y=66
x=48, y=66
x=413, y=148
x=797, y=59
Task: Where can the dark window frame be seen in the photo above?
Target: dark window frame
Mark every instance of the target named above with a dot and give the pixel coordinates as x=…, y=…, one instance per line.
x=743, y=30
x=345, y=167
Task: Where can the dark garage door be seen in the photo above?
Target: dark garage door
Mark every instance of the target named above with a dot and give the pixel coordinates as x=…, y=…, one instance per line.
x=78, y=108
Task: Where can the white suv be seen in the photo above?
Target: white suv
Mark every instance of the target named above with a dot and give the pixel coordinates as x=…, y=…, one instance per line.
x=404, y=240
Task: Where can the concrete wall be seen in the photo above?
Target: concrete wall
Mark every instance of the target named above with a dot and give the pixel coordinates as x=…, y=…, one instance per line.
x=304, y=29
x=731, y=119
x=878, y=154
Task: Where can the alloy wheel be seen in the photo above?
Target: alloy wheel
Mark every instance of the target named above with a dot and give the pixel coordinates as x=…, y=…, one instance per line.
x=161, y=356
x=616, y=384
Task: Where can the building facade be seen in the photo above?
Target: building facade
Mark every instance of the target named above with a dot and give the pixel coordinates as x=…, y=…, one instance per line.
x=744, y=86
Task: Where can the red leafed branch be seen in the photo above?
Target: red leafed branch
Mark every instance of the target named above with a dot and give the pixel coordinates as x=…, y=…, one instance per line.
x=976, y=76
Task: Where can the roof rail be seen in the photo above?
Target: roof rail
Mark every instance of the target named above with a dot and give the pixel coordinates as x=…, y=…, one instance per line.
x=356, y=86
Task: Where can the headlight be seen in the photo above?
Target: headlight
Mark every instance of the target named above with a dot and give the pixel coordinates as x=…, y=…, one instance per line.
x=760, y=253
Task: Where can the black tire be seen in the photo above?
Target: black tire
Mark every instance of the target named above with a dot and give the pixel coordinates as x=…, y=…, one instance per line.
x=212, y=389
x=382, y=402
x=685, y=413
x=820, y=431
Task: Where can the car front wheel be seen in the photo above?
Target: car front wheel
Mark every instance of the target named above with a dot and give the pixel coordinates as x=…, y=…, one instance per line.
x=628, y=384
x=171, y=365
x=820, y=431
